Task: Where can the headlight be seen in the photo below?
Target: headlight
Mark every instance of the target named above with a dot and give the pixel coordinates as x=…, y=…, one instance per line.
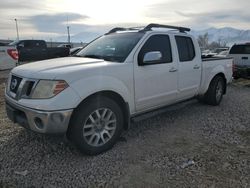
x=48, y=88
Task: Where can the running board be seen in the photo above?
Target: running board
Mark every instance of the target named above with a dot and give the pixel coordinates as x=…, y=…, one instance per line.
x=153, y=113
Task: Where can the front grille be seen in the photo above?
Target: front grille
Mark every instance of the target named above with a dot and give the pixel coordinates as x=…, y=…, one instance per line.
x=20, y=87
x=14, y=83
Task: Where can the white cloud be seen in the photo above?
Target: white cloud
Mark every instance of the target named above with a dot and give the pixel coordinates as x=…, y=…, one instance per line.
x=46, y=18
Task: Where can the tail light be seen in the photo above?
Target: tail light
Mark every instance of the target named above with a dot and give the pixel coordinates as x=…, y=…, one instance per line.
x=13, y=53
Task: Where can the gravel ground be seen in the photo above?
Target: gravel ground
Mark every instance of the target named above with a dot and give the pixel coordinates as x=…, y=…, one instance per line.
x=193, y=146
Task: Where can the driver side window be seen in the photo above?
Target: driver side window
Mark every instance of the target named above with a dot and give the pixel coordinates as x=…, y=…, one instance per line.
x=157, y=43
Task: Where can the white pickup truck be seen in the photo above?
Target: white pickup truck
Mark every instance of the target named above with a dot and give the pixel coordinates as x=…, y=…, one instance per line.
x=127, y=72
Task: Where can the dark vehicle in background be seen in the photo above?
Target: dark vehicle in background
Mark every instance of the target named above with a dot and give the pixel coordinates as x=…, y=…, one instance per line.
x=34, y=50
x=241, y=55
x=24, y=51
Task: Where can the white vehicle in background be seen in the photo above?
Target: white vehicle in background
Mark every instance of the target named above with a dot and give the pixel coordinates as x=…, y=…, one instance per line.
x=219, y=50
x=241, y=55
x=128, y=72
x=8, y=57
x=222, y=54
x=207, y=53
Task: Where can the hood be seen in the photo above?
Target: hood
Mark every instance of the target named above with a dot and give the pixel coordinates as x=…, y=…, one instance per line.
x=49, y=69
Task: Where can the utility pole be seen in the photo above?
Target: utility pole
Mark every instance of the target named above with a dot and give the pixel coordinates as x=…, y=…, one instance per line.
x=68, y=29
x=68, y=34
x=17, y=34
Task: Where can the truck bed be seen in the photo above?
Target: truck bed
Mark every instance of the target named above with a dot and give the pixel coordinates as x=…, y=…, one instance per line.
x=214, y=58
x=212, y=65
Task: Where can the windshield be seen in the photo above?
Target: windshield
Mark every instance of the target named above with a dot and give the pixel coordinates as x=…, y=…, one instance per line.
x=113, y=47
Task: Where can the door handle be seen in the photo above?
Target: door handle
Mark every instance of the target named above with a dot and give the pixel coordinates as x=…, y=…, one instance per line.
x=244, y=58
x=196, y=67
x=172, y=69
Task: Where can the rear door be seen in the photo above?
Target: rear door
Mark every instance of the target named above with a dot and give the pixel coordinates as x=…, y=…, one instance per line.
x=39, y=50
x=155, y=83
x=189, y=68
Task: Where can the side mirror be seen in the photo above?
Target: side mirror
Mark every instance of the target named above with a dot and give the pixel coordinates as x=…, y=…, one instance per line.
x=151, y=57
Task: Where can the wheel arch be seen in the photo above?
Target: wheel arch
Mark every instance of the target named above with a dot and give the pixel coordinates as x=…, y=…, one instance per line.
x=220, y=74
x=114, y=96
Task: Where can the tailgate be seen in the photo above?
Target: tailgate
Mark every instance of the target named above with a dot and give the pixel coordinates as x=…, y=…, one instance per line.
x=242, y=60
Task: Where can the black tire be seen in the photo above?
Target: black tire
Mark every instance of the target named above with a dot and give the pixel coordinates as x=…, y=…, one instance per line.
x=215, y=91
x=82, y=115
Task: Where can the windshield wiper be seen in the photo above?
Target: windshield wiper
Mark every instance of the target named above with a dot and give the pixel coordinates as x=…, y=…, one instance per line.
x=93, y=56
x=76, y=55
x=106, y=58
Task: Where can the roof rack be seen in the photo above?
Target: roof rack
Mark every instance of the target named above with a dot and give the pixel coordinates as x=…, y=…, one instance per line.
x=122, y=29
x=152, y=25
x=149, y=28
x=116, y=29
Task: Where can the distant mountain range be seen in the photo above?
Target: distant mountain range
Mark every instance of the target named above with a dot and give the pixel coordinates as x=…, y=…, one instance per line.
x=226, y=34
x=84, y=37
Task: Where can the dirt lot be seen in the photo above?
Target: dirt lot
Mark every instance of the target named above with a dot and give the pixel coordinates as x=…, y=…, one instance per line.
x=193, y=146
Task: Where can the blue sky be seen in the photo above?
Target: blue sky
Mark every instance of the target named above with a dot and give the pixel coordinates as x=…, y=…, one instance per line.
x=48, y=18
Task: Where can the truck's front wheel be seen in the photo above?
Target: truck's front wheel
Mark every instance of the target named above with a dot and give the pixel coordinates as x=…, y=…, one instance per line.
x=96, y=125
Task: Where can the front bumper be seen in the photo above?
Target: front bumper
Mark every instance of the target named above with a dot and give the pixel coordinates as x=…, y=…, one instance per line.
x=49, y=122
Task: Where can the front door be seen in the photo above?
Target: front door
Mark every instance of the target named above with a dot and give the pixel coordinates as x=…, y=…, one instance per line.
x=155, y=82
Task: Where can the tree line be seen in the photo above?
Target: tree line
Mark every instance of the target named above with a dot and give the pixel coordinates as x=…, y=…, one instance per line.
x=204, y=43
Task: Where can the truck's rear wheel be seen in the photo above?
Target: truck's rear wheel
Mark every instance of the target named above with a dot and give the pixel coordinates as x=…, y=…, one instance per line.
x=215, y=91
x=96, y=125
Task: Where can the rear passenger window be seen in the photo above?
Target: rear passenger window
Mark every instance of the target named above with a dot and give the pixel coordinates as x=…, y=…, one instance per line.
x=159, y=43
x=39, y=44
x=27, y=44
x=185, y=48
x=30, y=44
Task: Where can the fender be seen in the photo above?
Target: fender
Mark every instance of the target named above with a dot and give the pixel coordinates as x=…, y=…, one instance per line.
x=91, y=85
x=216, y=70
